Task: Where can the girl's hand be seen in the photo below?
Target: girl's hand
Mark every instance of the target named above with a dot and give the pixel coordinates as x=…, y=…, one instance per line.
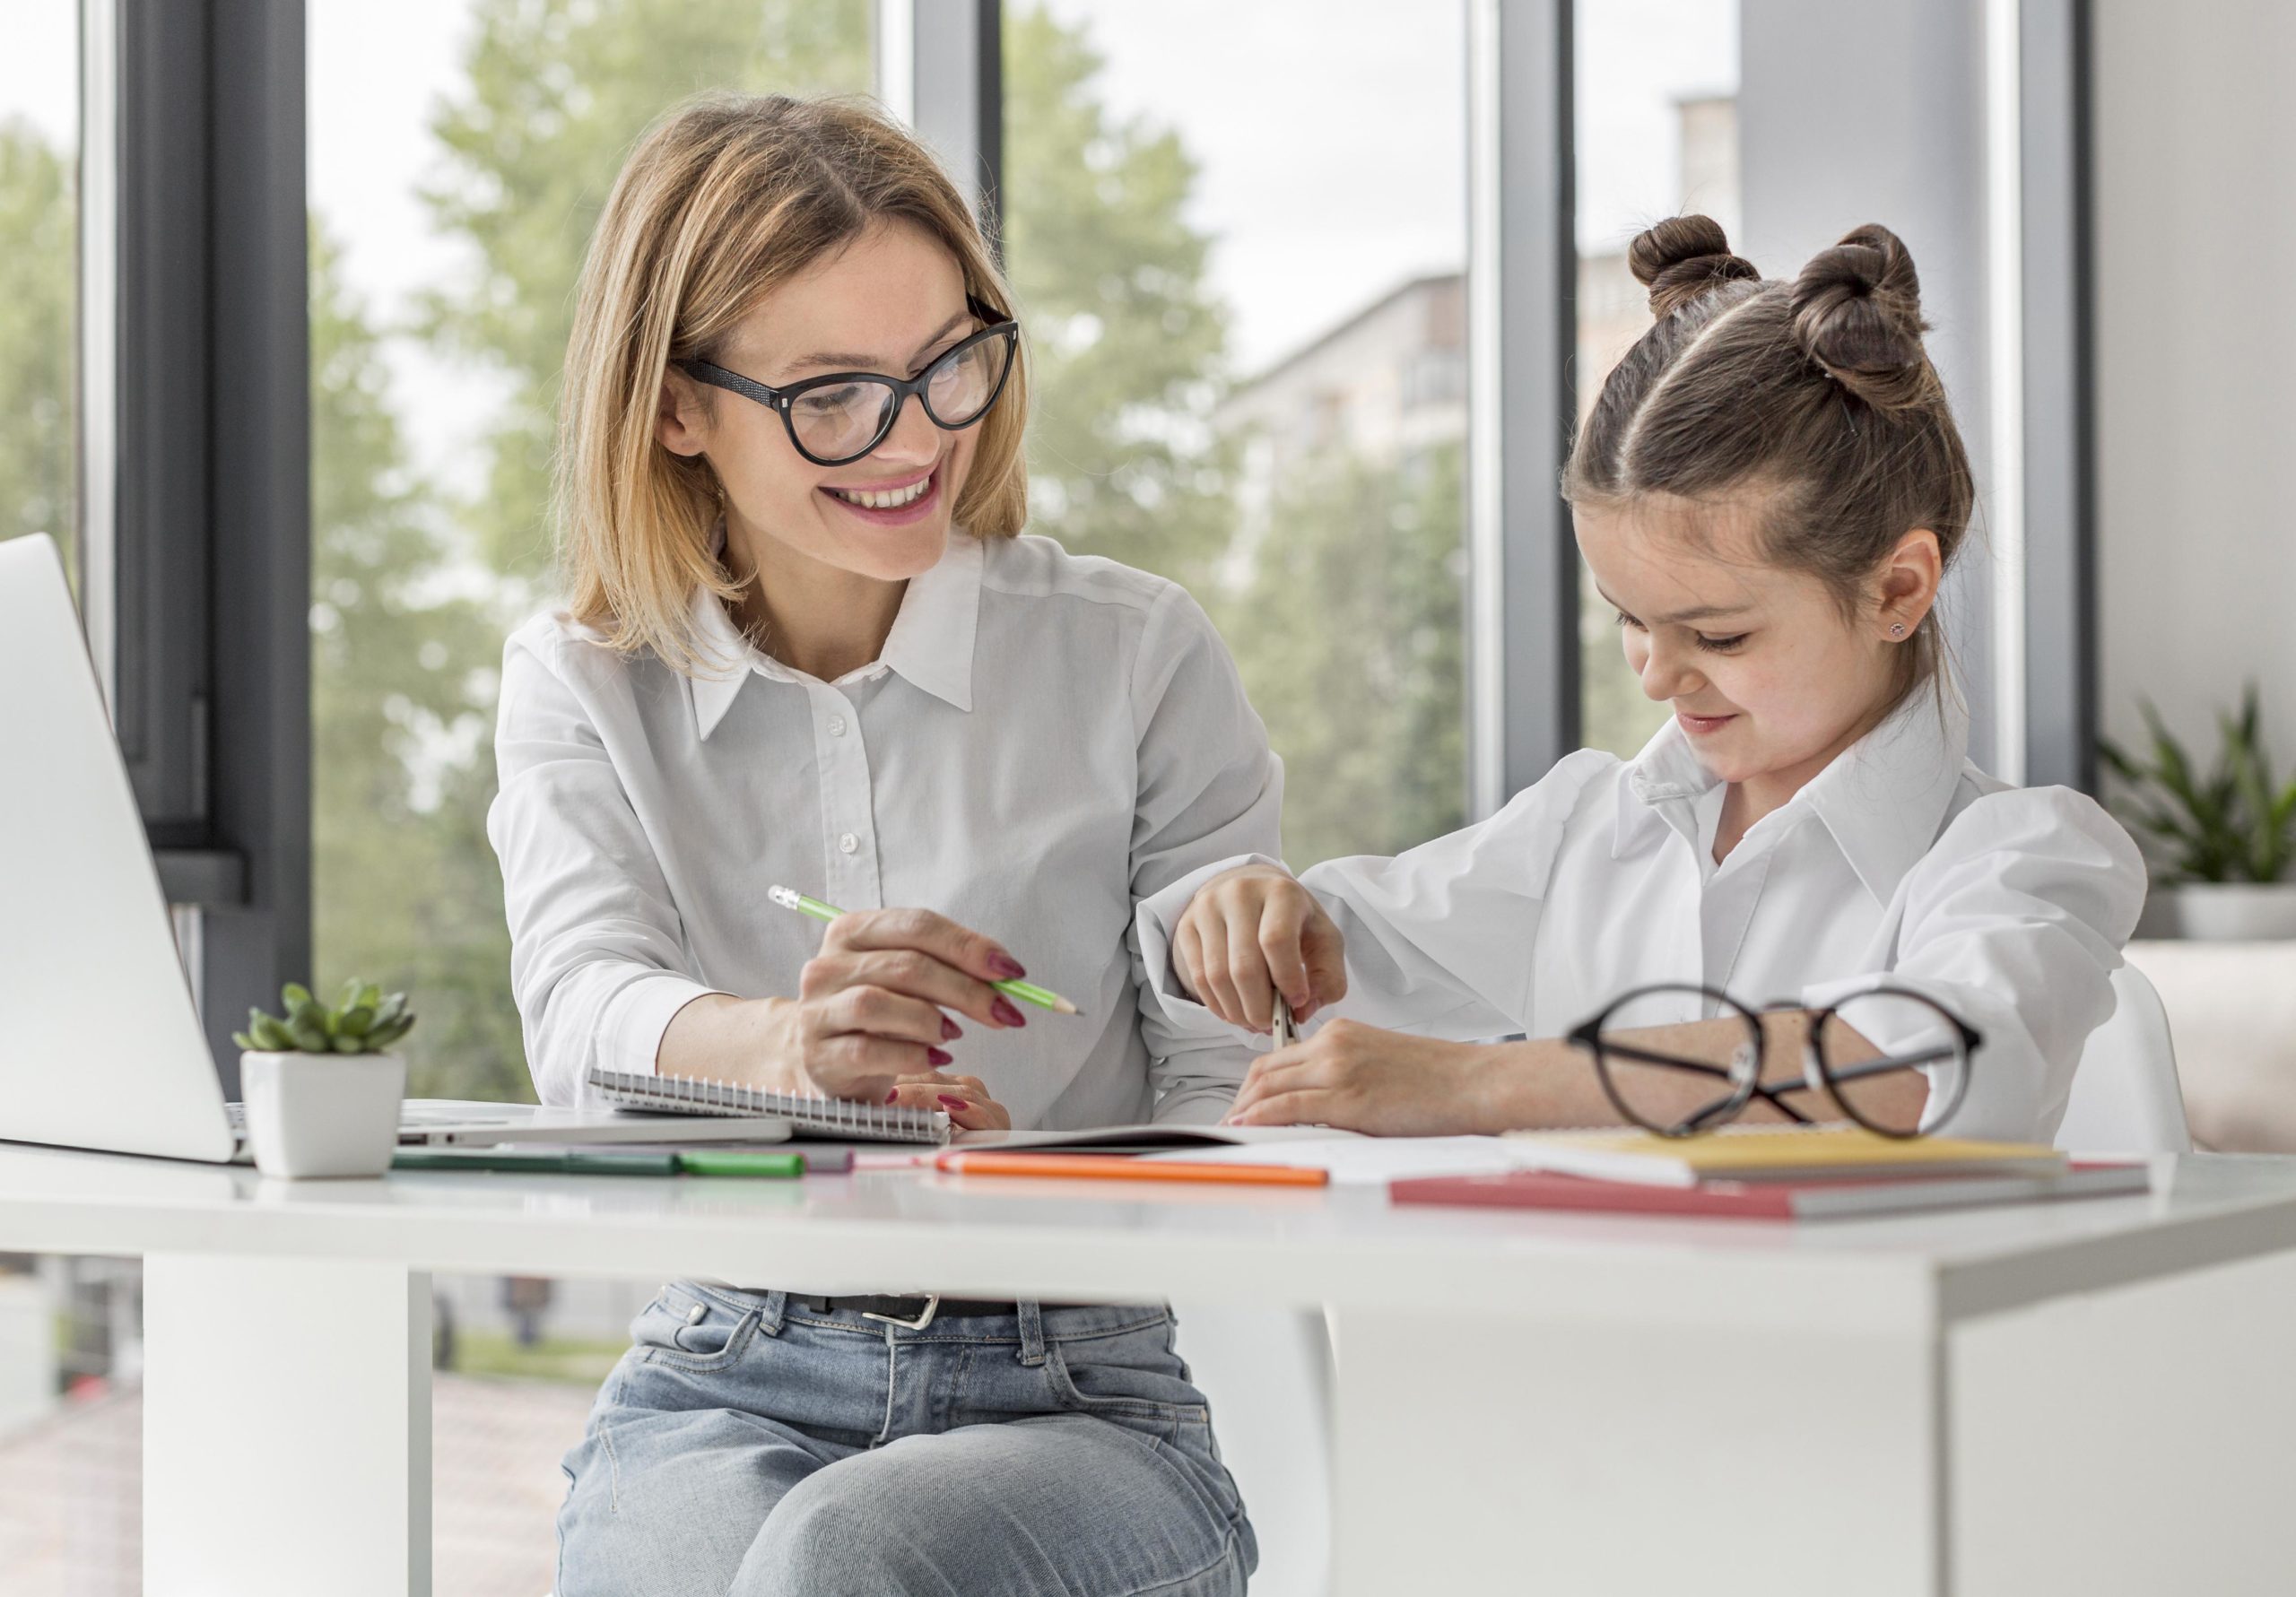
x=1251, y=932
x=869, y=1009
x=1361, y=1079
x=964, y=1099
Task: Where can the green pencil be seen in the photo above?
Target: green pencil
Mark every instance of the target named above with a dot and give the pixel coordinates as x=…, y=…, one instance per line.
x=789, y=898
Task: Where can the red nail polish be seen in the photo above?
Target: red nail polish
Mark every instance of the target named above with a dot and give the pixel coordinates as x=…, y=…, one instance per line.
x=955, y=1103
x=950, y=1030
x=937, y=1057
x=894, y=1096
x=1007, y=1013
x=1007, y=968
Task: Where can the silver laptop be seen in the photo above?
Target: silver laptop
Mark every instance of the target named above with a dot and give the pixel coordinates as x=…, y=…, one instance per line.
x=100, y=1044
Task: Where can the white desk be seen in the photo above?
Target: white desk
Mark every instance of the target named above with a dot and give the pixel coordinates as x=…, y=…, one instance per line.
x=2099, y=1397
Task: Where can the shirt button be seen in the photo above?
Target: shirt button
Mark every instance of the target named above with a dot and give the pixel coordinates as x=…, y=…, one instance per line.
x=849, y=843
x=837, y=726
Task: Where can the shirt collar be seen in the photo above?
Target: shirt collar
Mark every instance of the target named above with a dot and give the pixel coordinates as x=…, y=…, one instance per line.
x=1883, y=799
x=931, y=644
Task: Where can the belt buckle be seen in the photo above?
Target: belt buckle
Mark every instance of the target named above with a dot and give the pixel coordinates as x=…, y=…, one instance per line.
x=932, y=1304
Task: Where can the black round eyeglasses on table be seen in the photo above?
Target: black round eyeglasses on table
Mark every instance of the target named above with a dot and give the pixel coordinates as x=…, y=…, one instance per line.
x=838, y=419
x=1861, y=1051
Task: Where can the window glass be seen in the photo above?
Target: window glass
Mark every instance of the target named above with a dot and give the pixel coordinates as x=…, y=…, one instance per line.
x=1658, y=134
x=460, y=151
x=39, y=138
x=1247, y=300
x=68, y=1511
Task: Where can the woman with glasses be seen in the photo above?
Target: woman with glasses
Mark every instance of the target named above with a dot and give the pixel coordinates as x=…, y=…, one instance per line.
x=1801, y=901
x=802, y=644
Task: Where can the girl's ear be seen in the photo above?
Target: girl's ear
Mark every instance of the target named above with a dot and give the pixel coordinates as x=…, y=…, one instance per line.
x=679, y=419
x=1910, y=573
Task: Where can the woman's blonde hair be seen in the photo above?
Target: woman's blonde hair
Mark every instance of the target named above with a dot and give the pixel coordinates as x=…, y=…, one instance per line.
x=725, y=199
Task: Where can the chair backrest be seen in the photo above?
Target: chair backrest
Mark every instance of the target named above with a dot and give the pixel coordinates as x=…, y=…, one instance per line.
x=2125, y=1098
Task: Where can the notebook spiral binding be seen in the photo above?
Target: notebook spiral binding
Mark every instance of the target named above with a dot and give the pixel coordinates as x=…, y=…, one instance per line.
x=695, y=1094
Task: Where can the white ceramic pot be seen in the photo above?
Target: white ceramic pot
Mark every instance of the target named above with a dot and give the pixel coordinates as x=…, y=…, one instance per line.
x=323, y=1114
x=2234, y=911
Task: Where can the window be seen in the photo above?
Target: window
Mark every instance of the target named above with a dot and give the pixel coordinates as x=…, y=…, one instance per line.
x=1247, y=300
x=1658, y=134
x=39, y=111
x=459, y=152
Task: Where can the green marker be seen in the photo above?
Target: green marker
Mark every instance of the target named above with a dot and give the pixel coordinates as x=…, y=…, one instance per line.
x=711, y=1161
x=537, y=1161
x=1027, y=992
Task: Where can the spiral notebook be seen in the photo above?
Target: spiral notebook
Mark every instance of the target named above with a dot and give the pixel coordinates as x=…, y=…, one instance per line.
x=833, y=1117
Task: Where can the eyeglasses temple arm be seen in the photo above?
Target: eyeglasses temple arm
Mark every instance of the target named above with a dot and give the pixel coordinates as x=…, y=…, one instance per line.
x=1763, y=1091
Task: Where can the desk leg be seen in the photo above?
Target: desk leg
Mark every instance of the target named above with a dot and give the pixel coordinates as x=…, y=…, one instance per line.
x=1482, y=1454
x=286, y=1428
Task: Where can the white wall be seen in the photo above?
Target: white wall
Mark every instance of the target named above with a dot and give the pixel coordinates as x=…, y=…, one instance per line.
x=2195, y=130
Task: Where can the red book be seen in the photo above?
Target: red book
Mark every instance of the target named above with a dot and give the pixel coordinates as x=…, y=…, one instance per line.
x=1769, y=1199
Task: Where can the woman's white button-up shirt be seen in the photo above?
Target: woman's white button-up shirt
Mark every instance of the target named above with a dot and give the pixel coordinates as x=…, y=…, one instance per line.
x=1900, y=859
x=1044, y=740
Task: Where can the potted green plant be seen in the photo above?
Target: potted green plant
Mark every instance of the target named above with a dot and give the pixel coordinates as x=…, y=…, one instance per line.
x=2225, y=838
x=322, y=1087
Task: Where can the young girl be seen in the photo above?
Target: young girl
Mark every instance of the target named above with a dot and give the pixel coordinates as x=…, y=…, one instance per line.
x=1768, y=491
x=804, y=646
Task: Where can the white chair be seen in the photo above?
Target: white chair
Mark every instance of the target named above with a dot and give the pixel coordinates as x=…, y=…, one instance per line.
x=2126, y=1097
x=1267, y=1373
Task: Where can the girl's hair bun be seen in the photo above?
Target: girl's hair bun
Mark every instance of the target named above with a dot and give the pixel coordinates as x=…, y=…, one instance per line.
x=1683, y=258
x=1856, y=312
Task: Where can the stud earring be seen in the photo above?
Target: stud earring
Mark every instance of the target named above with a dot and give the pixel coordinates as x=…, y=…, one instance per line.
x=1898, y=630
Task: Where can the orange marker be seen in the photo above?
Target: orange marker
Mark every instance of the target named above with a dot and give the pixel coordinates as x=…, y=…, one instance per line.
x=1111, y=1167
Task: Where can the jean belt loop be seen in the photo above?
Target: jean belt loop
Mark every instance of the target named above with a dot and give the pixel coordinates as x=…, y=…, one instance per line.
x=1031, y=1333
x=771, y=1311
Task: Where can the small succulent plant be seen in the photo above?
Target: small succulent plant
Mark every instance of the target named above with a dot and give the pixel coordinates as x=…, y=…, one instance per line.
x=361, y=1020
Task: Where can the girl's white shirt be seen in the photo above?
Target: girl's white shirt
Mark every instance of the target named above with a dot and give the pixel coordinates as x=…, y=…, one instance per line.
x=1900, y=859
x=1044, y=740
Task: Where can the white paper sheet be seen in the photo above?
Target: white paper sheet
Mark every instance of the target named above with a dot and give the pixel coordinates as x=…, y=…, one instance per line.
x=1368, y=1161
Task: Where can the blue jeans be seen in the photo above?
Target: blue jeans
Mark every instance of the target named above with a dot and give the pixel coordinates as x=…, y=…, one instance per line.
x=749, y=1447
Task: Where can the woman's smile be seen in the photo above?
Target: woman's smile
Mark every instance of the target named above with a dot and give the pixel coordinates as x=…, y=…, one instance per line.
x=898, y=503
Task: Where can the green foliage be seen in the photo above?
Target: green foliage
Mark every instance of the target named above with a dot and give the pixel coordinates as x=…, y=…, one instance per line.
x=363, y=1021
x=404, y=883
x=37, y=252
x=2232, y=823
x=573, y=1361
x=1348, y=635
x=1126, y=340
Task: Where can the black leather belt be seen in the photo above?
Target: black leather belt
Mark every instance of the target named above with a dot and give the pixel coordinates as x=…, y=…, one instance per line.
x=915, y=1313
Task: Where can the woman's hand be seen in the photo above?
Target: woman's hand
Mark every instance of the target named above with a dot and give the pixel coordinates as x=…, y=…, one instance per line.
x=871, y=1007
x=1361, y=1079
x=1251, y=932
x=964, y=1099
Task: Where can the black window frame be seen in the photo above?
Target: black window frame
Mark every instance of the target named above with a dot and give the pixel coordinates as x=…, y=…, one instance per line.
x=197, y=460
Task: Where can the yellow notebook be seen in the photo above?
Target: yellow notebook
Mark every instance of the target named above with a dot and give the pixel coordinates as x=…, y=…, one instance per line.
x=1768, y=1153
